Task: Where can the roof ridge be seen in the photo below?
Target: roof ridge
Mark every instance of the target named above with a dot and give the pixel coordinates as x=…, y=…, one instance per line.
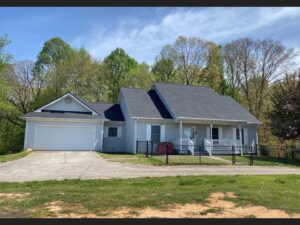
x=185, y=85
x=135, y=88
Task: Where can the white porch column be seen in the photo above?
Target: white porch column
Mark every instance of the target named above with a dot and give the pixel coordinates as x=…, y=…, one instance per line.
x=211, y=127
x=180, y=135
x=241, y=140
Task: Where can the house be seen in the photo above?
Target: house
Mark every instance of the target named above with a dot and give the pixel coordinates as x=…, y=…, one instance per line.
x=191, y=117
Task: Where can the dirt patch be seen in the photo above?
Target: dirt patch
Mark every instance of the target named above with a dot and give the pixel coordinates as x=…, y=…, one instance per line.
x=215, y=207
x=19, y=196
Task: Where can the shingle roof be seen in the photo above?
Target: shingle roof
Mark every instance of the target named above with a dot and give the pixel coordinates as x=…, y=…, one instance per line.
x=60, y=115
x=145, y=103
x=109, y=111
x=202, y=103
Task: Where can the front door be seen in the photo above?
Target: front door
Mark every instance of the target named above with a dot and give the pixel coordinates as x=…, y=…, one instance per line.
x=188, y=133
x=190, y=139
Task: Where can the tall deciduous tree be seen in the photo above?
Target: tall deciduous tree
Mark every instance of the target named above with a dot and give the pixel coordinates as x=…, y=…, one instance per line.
x=284, y=117
x=119, y=63
x=190, y=57
x=55, y=52
x=213, y=72
x=251, y=66
x=163, y=68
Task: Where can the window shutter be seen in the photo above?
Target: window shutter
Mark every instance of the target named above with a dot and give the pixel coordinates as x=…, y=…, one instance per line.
x=162, y=132
x=220, y=133
x=234, y=133
x=148, y=133
x=245, y=136
x=208, y=132
x=119, y=132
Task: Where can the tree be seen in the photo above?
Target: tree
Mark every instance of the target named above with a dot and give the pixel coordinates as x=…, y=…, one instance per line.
x=140, y=77
x=163, y=68
x=213, y=72
x=54, y=53
x=189, y=59
x=251, y=66
x=119, y=63
x=284, y=118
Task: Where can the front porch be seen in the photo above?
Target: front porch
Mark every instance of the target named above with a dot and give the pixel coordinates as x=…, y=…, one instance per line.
x=214, y=138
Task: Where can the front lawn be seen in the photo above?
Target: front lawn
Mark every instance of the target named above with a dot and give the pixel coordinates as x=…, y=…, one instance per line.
x=265, y=161
x=13, y=156
x=78, y=197
x=160, y=160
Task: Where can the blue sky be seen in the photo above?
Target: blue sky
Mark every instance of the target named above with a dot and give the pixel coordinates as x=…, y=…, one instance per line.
x=141, y=31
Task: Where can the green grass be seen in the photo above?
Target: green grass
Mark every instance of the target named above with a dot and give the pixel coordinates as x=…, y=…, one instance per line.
x=14, y=156
x=98, y=196
x=160, y=160
x=264, y=161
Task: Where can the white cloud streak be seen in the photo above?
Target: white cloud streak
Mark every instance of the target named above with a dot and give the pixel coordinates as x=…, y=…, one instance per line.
x=143, y=40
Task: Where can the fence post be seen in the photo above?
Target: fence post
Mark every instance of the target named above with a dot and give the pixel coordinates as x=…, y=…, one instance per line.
x=147, y=143
x=167, y=156
x=233, y=155
x=200, y=153
x=151, y=148
x=137, y=146
x=251, y=156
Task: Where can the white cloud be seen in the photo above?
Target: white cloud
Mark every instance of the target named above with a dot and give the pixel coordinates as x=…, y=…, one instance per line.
x=144, y=40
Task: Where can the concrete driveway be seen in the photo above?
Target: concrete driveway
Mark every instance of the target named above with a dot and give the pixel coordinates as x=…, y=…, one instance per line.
x=88, y=165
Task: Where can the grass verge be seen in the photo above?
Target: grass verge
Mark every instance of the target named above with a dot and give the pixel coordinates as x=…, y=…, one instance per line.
x=14, y=156
x=160, y=160
x=265, y=161
x=98, y=196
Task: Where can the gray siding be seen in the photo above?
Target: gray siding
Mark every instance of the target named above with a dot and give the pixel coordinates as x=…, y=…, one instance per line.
x=128, y=126
x=114, y=144
x=31, y=127
x=62, y=105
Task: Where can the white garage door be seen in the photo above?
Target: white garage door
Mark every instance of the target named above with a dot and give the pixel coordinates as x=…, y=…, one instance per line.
x=65, y=138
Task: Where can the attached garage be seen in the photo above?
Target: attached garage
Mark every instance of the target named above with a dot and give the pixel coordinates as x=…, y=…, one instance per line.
x=69, y=137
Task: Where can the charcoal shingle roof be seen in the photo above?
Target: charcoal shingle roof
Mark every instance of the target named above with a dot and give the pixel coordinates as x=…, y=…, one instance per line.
x=201, y=102
x=145, y=103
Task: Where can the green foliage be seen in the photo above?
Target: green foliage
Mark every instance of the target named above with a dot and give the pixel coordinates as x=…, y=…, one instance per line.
x=119, y=63
x=284, y=117
x=164, y=68
x=213, y=72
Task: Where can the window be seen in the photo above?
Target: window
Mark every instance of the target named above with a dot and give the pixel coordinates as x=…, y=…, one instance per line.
x=215, y=133
x=112, y=132
x=155, y=134
x=238, y=135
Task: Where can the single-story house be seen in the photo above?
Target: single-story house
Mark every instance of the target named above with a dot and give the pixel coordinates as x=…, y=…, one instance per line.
x=193, y=116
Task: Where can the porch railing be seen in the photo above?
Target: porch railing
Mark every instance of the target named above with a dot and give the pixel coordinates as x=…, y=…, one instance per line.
x=186, y=144
x=221, y=145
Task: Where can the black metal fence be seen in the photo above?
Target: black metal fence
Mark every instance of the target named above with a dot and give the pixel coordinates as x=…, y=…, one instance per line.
x=252, y=153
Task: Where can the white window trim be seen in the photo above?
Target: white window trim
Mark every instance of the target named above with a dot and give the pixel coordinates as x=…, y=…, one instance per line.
x=119, y=131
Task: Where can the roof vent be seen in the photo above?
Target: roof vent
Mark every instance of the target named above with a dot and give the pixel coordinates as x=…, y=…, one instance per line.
x=68, y=100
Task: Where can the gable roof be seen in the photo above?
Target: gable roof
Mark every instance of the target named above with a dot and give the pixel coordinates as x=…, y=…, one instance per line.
x=106, y=111
x=199, y=102
x=80, y=101
x=145, y=103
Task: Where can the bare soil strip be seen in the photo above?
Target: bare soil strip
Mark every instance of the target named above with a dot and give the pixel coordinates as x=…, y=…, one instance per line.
x=215, y=207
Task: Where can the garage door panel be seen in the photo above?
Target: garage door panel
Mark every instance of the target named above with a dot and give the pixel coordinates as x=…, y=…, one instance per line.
x=65, y=138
